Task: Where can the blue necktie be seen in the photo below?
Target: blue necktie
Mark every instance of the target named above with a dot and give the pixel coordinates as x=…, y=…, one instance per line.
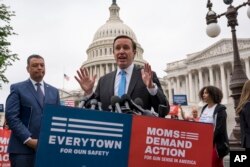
x=122, y=84
x=40, y=93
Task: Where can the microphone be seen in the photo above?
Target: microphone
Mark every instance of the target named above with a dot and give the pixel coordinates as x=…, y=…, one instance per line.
x=99, y=105
x=163, y=110
x=93, y=103
x=115, y=103
x=83, y=102
x=138, y=101
x=137, y=106
x=125, y=101
x=110, y=108
x=126, y=108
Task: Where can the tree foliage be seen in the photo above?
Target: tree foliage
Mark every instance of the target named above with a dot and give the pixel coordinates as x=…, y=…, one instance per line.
x=6, y=56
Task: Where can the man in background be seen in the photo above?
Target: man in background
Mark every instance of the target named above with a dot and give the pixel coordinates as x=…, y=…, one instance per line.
x=24, y=110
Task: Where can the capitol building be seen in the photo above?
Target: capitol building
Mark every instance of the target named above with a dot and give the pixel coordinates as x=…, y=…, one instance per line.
x=211, y=66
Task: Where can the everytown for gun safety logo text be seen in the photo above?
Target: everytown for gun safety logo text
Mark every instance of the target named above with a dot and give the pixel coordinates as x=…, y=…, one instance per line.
x=86, y=145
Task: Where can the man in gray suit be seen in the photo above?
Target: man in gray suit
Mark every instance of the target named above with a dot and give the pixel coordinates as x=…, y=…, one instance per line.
x=24, y=110
x=140, y=83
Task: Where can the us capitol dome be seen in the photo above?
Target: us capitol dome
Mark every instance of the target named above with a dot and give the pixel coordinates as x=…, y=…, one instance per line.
x=100, y=58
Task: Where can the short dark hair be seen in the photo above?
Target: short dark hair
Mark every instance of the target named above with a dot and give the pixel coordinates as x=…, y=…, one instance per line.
x=125, y=36
x=214, y=92
x=34, y=56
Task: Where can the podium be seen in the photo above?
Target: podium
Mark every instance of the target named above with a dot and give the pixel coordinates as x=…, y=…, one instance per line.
x=87, y=138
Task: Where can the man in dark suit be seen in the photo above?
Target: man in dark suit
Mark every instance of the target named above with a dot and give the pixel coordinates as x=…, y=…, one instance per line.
x=142, y=83
x=24, y=110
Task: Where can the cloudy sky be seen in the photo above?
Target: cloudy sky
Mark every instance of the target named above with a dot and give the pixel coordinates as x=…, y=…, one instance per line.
x=61, y=31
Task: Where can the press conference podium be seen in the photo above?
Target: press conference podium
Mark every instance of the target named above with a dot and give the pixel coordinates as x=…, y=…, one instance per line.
x=87, y=138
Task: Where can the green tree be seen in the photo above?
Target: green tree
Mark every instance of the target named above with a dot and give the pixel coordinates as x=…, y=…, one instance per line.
x=6, y=56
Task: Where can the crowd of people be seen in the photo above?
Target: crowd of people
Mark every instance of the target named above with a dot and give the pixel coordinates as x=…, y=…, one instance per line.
x=24, y=105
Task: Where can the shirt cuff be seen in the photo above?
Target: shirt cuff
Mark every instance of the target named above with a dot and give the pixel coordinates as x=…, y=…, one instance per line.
x=88, y=96
x=153, y=91
x=29, y=138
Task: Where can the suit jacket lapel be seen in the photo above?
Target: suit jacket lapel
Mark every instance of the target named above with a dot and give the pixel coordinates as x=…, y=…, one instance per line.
x=46, y=92
x=112, y=84
x=134, y=78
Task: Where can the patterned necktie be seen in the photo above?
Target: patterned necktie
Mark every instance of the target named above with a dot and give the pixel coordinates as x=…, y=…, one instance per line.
x=122, y=84
x=40, y=93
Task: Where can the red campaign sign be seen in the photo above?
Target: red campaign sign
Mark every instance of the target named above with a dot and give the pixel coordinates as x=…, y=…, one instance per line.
x=4, y=140
x=168, y=142
x=174, y=110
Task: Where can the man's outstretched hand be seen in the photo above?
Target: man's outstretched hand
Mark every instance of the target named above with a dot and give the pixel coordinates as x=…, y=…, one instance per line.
x=147, y=76
x=85, y=81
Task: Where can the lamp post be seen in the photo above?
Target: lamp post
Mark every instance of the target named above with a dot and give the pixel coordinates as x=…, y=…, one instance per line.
x=238, y=77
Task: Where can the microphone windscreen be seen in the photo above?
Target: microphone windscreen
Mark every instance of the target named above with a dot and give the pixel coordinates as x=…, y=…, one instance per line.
x=138, y=101
x=93, y=102
x=114, y=100
x=88, y=105
x=163, y=111
x=125, y=98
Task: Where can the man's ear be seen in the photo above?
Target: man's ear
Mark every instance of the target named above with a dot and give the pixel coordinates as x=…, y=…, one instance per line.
x=134, y=53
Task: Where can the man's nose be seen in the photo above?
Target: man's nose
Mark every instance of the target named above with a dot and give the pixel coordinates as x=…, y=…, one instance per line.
x=121, y=50
x=40, y=66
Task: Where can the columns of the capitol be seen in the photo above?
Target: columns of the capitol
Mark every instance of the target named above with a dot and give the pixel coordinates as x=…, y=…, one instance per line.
x=101, y=70
x=191, y=91
x=177, y=85
x=113, y=66
x=95, y=70
x=200, y=79
x=107, y=68
x=228, y=80
x=223, y=83
x=217, y=78
x=104, y=68
x=206, y=76
x=88, y=68
x=210, y=68
x=196, y=90
x=247, y=67
x=187, y=88
x=98, y=71
x=170, y=91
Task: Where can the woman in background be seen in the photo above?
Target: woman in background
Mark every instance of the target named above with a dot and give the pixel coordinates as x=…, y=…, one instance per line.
x=243, y=110
x=215, y=113
x=194, y=116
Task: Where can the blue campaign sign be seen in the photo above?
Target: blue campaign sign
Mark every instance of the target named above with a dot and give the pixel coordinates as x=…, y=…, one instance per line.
x=83, y=138
x=180, y=99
